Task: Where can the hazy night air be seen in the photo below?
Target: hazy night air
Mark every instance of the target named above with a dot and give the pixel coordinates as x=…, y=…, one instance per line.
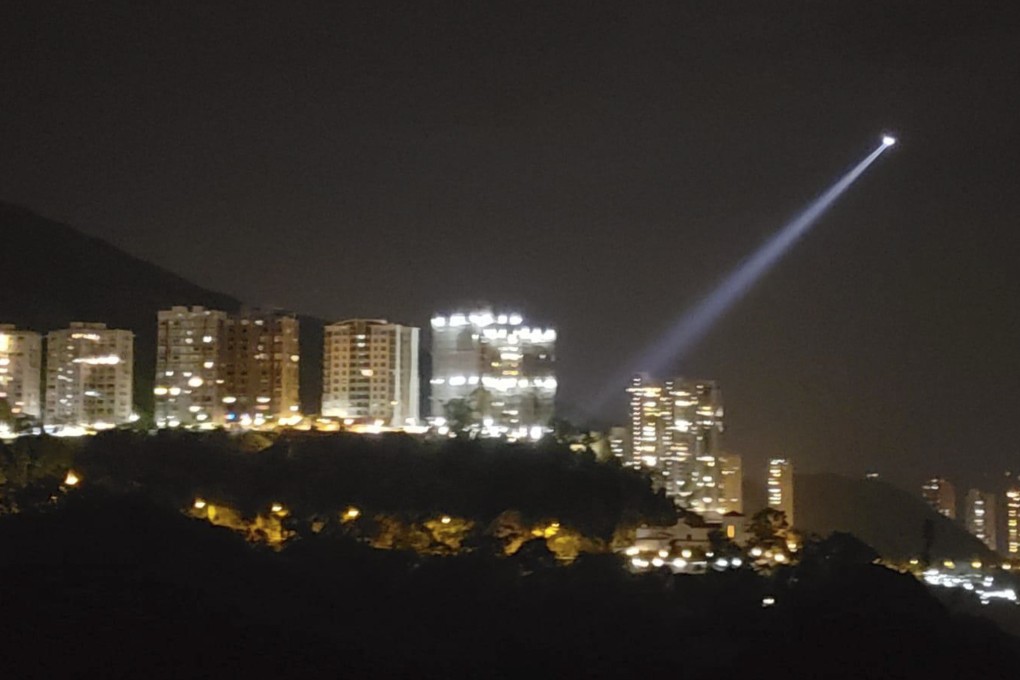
x=698, y=321
x=600, y=170
x=458, y=339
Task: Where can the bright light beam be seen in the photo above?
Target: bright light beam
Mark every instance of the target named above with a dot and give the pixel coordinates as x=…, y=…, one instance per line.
x=697, y=321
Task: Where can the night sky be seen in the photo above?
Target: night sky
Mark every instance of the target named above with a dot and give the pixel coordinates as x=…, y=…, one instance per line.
x=599, y=165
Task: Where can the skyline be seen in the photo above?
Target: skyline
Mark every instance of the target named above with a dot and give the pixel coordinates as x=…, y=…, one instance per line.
x=605, y=193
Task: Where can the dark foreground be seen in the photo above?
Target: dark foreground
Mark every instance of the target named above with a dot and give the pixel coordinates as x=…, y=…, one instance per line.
x=112, y=586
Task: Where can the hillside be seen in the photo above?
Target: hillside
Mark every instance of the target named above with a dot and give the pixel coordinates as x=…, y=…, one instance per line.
x=55, y=274
x=887, y=518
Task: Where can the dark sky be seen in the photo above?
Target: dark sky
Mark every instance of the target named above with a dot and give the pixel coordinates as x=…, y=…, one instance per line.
x=600, y=165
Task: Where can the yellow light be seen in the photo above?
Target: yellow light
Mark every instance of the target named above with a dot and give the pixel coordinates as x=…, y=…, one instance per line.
x=685, y=553
x=199, y=504
x=780, y=557
x=949, y=564
x=631, y=551
x=71, y=479
x=445, y=519
x=976, y=564
x=1007, y=566
x=352, y=513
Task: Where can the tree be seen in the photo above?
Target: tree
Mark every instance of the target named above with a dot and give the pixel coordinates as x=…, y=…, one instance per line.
x=459, y=415
x=768, y=528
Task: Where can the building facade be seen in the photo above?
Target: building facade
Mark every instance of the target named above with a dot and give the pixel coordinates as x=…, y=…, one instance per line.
x=89, y=376
x=370, y=372
x=261, y=367
x=732, y=471
x=215, y=368
x=941, y=496
x=1012, y=519
x=21, y=371
x=493, y=373
x=780, y=487
x=676, y=431
x=190, y=359
x=981, y=517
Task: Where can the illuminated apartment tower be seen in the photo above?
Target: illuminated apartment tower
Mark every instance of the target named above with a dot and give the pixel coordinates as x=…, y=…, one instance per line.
x=20, y=371
x=501, y=368
x=780, y=487
x=261, y=367
x=89, y=376
x=731, y=471
x=190, y=355
x=370, y=372
x=1012, y=518
x=981, y=517
x=941, y=496
x=675, y=432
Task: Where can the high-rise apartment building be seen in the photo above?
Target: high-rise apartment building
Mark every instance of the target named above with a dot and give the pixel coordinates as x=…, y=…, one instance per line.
x=370, y=372
x=89, y=373
x=21, y=371
x=190, y=359
x=214, y=368
x=780, y=487
x=732, y=473
x=261, y=367
x=1012, y=519
x=981, y=517
x=676, y=429
x=941, y=496
x=494, y=370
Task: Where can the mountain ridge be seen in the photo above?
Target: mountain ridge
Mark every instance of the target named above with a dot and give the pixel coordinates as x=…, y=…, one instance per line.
x=99, y=282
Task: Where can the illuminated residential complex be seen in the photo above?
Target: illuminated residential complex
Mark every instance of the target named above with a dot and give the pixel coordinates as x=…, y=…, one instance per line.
x=1012, y=519
x=494, y=370
x=89, y=373
x=370, y=372
x=20, y=369
x=214, y=368
x=780, y=487
x=676, y=429
x=941, y=496
x=981, y=517
x=190, y=358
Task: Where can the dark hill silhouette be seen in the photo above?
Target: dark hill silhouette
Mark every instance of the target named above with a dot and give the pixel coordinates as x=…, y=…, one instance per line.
x=55, y=274
x=885, y=517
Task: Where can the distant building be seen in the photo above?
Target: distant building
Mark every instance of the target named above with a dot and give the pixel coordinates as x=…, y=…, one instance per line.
x=941, y=496
x=676, y=429
x=262, y=367
x=495, y=370
x=981, y=517
x=619, y=443
x=370, y=371
x=215, y=368
x=731, y=471
x=21, y=371
x=191, y=354
x=780, y=487
x=1012, y=519
x=89, y=376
